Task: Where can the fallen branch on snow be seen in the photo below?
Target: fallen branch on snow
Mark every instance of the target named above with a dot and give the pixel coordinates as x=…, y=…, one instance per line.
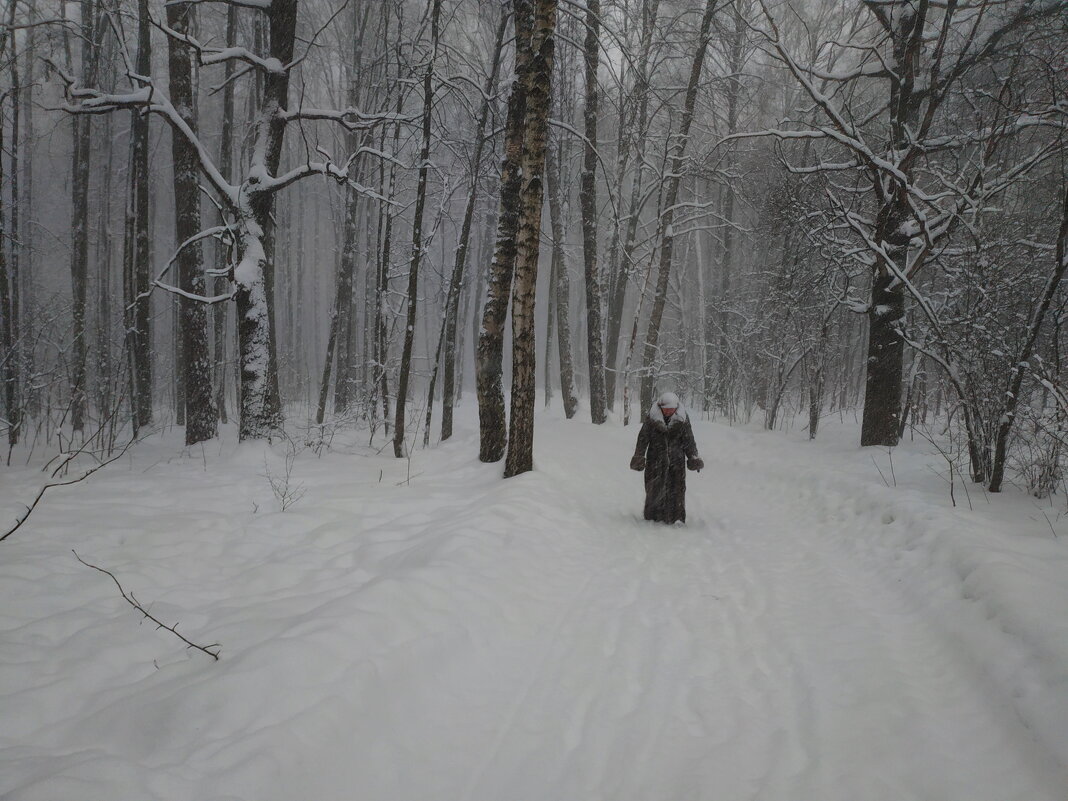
x=132, y=601
x=67, y=458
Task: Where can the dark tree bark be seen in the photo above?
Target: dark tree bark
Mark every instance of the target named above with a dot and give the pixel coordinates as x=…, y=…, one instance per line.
x=493, y=434
x=261, y=412
x=7, y=350
x=561, y=284
x=27, y=393
x=588, y=203
x=620, y=270
x=417, y=237
x=723, y=380
x=667, y=217
x=137, y=246
x=79, y=253
x=201, y=416
x=342, y=320
x=1019, y=367
x=226, y=168
x=520, y=457
x=881, y=419
x=456, y=282
x=13, y=363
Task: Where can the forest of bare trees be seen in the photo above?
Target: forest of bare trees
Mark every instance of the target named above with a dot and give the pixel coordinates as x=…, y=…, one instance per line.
x=275, y=213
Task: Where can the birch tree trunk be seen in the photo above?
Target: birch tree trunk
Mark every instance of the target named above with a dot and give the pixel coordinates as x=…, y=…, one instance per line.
x=520, y=458
x=493, y=434
x=201, y=416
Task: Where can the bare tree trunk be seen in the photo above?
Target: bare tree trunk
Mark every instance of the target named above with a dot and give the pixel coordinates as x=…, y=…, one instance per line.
x=331, y=343
x=417, y=237
x=550, y=331
x=226, y=168
x=561, y=284
x=343, y=306
x=10, y=275
x=620, y=274
x=79, y=255
x=137, y=247
x=201, y=416
x=1020, y=363
x=588, y=203
x=520, y=457
x=667, y=217
x=886, y=347
x=102, y=261
x=261, y=411
x=725, y=378
x=7, y=349
x=382, y=287
x=462, y=247
x=27, y=394
x=493, y=433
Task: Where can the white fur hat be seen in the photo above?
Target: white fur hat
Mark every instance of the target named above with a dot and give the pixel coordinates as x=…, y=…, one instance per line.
x=669, y=400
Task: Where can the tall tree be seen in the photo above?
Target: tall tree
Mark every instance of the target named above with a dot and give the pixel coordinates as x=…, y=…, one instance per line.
x=79, y=252
x=671, y=195
x=417, y=236
x=137, y=246
x=588, y=204
x=10, y=279
x=226, y=168
x=201, y=416
x=452, y=309
x=492, y=423
x=632, y=139
x=538, y=79
x=561, y=281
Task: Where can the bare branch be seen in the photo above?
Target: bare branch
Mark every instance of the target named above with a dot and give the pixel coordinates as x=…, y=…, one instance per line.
x=132, y=601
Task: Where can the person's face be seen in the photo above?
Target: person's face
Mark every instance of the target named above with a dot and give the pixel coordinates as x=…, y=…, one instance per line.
x=667, y=410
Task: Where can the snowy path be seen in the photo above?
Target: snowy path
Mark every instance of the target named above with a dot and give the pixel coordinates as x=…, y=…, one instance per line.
x=535, y=640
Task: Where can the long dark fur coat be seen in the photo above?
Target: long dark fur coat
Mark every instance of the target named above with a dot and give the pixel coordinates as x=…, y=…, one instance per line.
x=665, y=449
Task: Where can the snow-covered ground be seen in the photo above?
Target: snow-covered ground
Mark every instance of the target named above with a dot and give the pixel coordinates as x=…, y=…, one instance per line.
x=424, y=631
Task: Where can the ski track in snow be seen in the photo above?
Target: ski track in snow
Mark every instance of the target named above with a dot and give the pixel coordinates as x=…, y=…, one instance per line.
x=467, y=638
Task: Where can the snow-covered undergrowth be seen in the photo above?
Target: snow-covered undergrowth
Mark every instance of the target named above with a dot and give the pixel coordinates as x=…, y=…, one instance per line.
x=424, y=630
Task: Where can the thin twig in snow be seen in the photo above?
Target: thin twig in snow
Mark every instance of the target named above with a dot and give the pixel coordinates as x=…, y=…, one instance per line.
x=132, y=601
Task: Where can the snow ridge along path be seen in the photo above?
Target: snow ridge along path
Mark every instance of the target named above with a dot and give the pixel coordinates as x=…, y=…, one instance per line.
x=810, y=635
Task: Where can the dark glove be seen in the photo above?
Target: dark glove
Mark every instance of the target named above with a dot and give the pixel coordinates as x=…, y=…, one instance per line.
x=637, y=462
x=696, y=463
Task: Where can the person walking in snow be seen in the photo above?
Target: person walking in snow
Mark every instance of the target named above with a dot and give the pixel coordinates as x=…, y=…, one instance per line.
x=665, y=450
